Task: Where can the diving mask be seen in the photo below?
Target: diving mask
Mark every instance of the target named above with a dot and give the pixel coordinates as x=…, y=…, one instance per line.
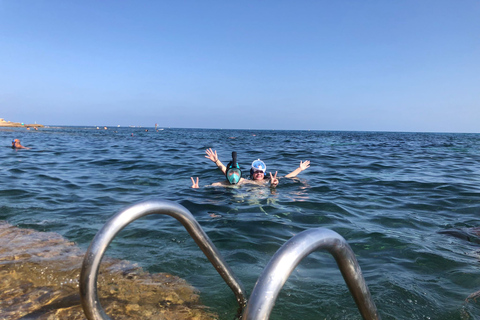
x=259, y=165
x=233, y=172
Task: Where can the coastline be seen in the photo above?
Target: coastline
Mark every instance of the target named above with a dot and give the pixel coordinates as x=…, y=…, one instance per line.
x=4, y=123
x=41, y=271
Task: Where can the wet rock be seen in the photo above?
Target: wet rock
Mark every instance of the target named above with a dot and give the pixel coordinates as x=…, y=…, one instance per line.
x=39, y=274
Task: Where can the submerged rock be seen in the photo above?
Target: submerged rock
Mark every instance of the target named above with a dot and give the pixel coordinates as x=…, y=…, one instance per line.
x=39, y=274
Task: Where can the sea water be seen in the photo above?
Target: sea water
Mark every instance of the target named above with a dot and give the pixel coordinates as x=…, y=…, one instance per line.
x=407, y=203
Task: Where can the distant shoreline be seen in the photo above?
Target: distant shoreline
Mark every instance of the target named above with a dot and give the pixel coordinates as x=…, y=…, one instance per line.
x=10, y=124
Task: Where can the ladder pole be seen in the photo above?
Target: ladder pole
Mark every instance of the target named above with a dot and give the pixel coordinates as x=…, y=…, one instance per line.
x=285, y=260
x=91, y=263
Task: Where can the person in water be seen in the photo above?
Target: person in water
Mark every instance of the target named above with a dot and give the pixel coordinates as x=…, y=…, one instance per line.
x=257, y=172
x=17, y=145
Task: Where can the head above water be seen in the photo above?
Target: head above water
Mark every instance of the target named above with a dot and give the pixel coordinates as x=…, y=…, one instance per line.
x=257, y=172
x=233, y=172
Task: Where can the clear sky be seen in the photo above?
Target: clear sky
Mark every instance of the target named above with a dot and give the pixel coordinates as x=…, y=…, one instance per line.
x=396, y=65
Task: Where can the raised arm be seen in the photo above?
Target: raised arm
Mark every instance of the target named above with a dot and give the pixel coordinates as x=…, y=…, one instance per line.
x=303, y=166
x=212, y=155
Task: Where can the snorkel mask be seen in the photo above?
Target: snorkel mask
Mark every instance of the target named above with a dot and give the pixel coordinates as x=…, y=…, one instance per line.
x=258, y=165
x=233, y=172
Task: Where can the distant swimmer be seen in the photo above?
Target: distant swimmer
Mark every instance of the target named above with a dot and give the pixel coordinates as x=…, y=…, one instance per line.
x=257, y=172
x=17, y=145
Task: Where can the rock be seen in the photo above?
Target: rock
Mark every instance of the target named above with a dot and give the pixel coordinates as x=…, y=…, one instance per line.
x=39, y=274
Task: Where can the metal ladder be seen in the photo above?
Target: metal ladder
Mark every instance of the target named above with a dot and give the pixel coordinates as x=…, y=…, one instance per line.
x=268, y=285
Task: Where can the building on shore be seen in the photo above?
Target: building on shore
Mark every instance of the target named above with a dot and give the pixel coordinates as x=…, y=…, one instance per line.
x=4, y=123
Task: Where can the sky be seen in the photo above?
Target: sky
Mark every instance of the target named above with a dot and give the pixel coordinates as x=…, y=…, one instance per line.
x=397, y=65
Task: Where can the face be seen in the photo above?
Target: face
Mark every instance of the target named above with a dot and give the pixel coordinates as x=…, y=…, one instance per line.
x=233, y=176
x=258, y=175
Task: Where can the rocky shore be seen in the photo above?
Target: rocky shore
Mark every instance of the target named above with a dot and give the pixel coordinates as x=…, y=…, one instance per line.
x=39, y=277
x=4, y=123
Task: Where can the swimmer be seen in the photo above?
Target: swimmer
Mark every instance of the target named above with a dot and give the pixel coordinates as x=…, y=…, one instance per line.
x=16, y=144
x=257, y=172
x=232, y=173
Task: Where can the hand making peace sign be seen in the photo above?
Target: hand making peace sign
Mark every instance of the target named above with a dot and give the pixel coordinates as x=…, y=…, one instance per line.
x=194, y=185
x=273, y=179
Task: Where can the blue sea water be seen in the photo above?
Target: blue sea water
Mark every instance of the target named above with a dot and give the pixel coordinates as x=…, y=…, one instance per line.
x=407, y=203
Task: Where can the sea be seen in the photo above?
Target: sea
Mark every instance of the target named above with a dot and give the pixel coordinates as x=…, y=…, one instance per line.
x=408, y=204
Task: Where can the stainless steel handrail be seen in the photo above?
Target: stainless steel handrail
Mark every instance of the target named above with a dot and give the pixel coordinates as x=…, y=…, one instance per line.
x=285, y=260
x=91, y=263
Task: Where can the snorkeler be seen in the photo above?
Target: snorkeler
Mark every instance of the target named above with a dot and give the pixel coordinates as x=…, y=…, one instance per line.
x=16, y=144
x=257, y=172
x=232, y=173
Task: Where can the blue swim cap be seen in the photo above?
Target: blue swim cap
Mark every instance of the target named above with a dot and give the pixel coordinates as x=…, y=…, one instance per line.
x=259, y=165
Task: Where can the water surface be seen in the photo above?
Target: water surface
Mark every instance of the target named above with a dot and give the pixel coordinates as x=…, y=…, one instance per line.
x=407, y=203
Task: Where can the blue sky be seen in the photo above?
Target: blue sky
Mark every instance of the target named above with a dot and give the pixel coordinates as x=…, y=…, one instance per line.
x=318, y=65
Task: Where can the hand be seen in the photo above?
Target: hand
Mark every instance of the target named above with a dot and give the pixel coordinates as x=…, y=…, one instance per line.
x=194, y=185
x=212, y=155
x=273, y=179
x=304, y=165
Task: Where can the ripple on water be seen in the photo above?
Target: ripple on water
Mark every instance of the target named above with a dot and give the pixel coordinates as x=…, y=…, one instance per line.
x=15, y=171
x=48, y=177
x=17, y=193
